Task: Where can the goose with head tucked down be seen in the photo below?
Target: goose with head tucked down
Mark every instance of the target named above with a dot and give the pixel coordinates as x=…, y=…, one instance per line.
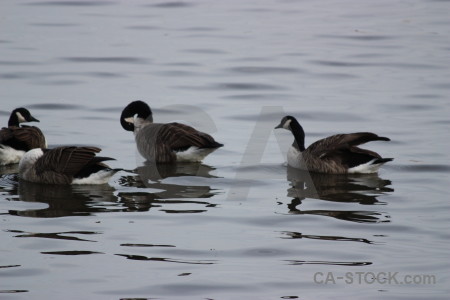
x=15, y=140
x=336, y=154
x=65, y=165
x=165, y=143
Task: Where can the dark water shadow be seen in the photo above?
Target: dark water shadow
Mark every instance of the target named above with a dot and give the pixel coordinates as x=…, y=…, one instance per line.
x=64, y=200
x=154, y=175
x=165, y=259
x=329, y=263
x=8, y=169
x=67, y=235
x=298, y=235
x=357, y=189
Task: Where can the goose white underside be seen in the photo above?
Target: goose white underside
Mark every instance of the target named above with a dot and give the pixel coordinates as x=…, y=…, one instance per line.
x=294, y=159
x=100, y=177
x=193, y=154
x=366, y=168
x=9, y=155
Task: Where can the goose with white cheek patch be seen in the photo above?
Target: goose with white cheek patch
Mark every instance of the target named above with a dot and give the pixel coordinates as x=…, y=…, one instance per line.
x=336, y=154
x=165, y=142
x=15, y=140
x=65, y=165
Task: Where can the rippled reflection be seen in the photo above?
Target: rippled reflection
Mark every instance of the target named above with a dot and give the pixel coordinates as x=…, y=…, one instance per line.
x=63, y=200
x=165, y=259
x=363, y=189
x=156, y=176
x=358, y=189
x=68, y=235
x=298, y=235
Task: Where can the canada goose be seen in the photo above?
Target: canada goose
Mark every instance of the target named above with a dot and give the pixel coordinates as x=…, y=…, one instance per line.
x=65, y=165
x=15, y=140
x=337, y=154
x=165, y=143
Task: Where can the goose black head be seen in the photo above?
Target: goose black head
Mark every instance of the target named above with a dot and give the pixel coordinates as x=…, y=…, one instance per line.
x=20, y=115
x=286, y=122
x=138, y=109
x=290, y=123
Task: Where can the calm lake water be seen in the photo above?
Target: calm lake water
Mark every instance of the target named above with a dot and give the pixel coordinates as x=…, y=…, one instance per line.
x=241, y=225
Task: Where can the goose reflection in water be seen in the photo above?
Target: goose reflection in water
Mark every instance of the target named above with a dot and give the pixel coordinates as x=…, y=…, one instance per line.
x=9, y=169
x=358, y=189
x=65, y=200
x=174, y=182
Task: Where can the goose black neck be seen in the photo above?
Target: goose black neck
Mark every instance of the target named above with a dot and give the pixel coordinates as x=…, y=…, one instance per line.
x=13, y=120
x=299, y=135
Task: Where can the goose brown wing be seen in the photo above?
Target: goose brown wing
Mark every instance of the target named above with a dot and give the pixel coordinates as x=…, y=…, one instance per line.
x=335, y=144
x=5, y=135
x=30, y=136
x=180, y=137
x=66, y=160
x=22, y=138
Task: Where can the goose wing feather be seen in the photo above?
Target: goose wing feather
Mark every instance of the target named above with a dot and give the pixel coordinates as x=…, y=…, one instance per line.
x=5, y=134
x=336, y=144
x=178, y=137
x=30, y=135
x=66, y=160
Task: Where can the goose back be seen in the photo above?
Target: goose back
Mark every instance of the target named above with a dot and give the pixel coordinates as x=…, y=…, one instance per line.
x=22, y=138
x=160, y=142
x=339, y=153
x=62, y=165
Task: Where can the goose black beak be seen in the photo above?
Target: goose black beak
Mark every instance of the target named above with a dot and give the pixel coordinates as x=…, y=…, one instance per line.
x=33, y=119
x=279, y=126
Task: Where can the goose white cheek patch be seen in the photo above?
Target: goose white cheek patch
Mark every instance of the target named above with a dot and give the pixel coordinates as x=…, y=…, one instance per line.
x=129, y=120
x=286, y=124
x=20, y=117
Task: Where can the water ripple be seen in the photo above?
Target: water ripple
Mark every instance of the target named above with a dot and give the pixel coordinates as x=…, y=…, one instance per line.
x=40, y=76
x=348, y=64
x=144, y=245
x=360, y=37
x=13, y=291
x=116, y=59
x=56, y=25
x=247, y=86
x=264, y=70
x=72, y=252
x=427, y=168
x=9, y=266
x=55, y=235
x=165, y=259
x=71, y=3
x=171, y=4
x=298, y=235
x=144, y=27
x=55, y=106
x=18, y=63
x=310, y=115
x=205, y=51
x=329, y=263
x=261, y=96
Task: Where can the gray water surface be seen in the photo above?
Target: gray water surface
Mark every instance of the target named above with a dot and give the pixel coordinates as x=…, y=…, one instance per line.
x=241, y=224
